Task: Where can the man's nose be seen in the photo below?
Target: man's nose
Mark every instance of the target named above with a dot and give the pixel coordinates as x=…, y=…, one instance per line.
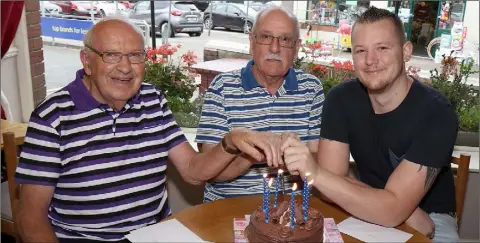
x=274, y=46
x=371, y=57
x=124, y=66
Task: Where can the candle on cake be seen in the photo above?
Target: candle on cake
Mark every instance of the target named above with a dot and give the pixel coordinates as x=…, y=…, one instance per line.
x=305, y=212
x=279, y=177
x=267, y=212
x=264, y=202
x=305, y=195
x=292, y=207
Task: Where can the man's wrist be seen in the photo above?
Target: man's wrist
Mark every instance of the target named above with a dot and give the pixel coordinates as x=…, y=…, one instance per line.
x=228, y=146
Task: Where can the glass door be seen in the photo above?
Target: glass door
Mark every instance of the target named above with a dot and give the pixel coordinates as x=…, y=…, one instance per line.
x=404, y=10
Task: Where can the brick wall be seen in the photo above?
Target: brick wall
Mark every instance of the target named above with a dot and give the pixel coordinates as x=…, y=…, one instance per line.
x=210, y=54
x=35, y=46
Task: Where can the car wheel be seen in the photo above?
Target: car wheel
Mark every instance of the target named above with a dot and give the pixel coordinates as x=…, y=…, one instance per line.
x=195, y=34
x=164, y=29
x=247, y=28
x=208, y=23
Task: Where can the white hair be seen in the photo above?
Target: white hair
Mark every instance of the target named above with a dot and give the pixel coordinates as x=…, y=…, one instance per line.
x=87, y=40
x=292, y=17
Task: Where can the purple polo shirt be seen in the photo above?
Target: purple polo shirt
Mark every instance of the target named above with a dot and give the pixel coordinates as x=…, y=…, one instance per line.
x=108, y=168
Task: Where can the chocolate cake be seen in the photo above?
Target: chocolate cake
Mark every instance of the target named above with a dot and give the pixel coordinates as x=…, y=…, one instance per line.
x=278, y=227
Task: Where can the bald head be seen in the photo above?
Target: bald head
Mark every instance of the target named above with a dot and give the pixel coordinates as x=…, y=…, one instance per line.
x=109, y=25
x=280, y=12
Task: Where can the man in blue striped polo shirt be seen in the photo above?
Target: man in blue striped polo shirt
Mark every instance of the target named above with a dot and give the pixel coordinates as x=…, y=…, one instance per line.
x=266, y=95
x=93, y=166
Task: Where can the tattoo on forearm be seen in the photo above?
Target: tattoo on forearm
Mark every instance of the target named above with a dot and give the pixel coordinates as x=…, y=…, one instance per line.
x=431, y=175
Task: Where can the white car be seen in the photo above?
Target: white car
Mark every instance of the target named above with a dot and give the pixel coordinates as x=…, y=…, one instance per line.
x=50, y=9
x=109, y=8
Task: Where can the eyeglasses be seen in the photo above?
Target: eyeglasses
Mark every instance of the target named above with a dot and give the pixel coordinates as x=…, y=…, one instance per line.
x=283, y=41
x=116, y=57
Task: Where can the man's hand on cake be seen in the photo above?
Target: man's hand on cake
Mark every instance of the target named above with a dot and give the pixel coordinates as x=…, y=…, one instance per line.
x=298, y=158
x=259, y=145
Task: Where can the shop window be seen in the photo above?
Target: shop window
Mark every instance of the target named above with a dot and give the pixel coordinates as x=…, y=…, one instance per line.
x=324, y=12
x=451, y=12
x=350, y=10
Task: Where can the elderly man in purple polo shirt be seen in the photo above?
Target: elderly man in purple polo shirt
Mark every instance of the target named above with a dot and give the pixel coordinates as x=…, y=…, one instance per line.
x=93, y=167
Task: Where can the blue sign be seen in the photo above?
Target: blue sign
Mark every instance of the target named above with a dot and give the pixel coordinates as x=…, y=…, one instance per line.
x=72, y=29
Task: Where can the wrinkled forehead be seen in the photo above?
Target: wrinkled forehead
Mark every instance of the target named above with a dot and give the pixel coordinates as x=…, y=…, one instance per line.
x=117, y=36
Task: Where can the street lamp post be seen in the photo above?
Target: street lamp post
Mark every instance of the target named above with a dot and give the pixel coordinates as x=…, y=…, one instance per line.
x=152, y=19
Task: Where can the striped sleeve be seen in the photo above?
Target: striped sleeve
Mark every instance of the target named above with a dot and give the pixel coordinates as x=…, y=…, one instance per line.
x=315, y=119
x=173, y=133
x=213, y=125
x=40, y=161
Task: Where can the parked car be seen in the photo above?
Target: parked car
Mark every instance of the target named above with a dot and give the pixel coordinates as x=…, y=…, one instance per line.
x=109, y=8
x=230, y=16
x=77, y=8
x=184, y=17
x=201, y=5
x=50, y=9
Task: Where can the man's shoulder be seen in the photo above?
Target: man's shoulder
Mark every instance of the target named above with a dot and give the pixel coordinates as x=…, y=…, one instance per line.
x=54, y=102
x=227, y=79
x=346, y=89
x=307, y=80
x=430, y=100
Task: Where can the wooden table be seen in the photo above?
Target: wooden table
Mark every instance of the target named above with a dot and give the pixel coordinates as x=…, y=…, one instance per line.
x=209, y=69
x=19, y=129
x=214, y=221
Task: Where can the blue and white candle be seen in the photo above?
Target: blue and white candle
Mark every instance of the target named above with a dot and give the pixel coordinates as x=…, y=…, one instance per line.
x=277, y=184
x=264, y=202
x=306, y=196
x=292, y=207
x=267, y=212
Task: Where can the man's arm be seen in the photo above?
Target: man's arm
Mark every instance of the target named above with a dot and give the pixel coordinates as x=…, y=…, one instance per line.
x=237, y=167
x=390, y=206
x=196, y=168
x=32, y=220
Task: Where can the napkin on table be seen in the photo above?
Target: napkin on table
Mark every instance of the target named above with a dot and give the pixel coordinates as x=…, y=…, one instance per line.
x=167, y=231
x=368, y=232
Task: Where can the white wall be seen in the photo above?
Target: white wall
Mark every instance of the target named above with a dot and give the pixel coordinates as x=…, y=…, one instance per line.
x=471, y=21
x=9, y=79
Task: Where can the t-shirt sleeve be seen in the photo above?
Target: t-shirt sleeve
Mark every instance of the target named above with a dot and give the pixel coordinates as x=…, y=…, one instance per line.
x=40, y=162
x=334, y=119
x=213, y=125
x=172, y=132
x=435, y=137
x=315, y=119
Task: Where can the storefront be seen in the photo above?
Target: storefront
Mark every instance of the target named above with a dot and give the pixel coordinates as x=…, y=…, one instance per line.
x=426, y=20
x=423, y=20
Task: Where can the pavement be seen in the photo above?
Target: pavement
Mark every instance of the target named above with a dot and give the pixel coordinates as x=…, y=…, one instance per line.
x=62, y=55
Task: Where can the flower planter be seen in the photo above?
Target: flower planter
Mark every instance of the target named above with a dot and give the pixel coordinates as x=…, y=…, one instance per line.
x=470, y=139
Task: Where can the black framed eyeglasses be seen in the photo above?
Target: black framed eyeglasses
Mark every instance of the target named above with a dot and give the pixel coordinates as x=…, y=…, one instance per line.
x=116, y=57
x=283, y=41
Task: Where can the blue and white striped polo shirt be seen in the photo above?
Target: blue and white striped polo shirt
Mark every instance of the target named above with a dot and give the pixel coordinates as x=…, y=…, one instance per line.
x=108, y=168
x=236, y=100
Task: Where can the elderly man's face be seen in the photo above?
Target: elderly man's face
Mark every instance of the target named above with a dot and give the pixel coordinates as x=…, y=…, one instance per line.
x=114, y=83
x=276, y=58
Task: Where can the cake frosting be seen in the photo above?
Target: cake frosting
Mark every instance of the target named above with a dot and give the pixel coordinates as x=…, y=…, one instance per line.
x=278, y=227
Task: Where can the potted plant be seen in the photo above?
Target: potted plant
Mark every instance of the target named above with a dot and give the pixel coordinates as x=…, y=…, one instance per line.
x=177, y=81
x=451, y=81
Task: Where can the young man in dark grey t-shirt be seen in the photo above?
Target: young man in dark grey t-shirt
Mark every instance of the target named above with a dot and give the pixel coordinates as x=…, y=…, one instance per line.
x=400, y=132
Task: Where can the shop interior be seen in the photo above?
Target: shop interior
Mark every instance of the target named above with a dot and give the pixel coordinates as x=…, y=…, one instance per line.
x=425, y=14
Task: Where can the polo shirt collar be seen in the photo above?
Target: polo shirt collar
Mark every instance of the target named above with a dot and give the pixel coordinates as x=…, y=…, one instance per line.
x=83, y=99
x=249, y=82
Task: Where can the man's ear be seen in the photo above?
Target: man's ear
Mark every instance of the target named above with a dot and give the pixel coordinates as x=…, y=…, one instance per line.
x=407, y=51
x=252, y=42
x=85, y=62
x=297, y=48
